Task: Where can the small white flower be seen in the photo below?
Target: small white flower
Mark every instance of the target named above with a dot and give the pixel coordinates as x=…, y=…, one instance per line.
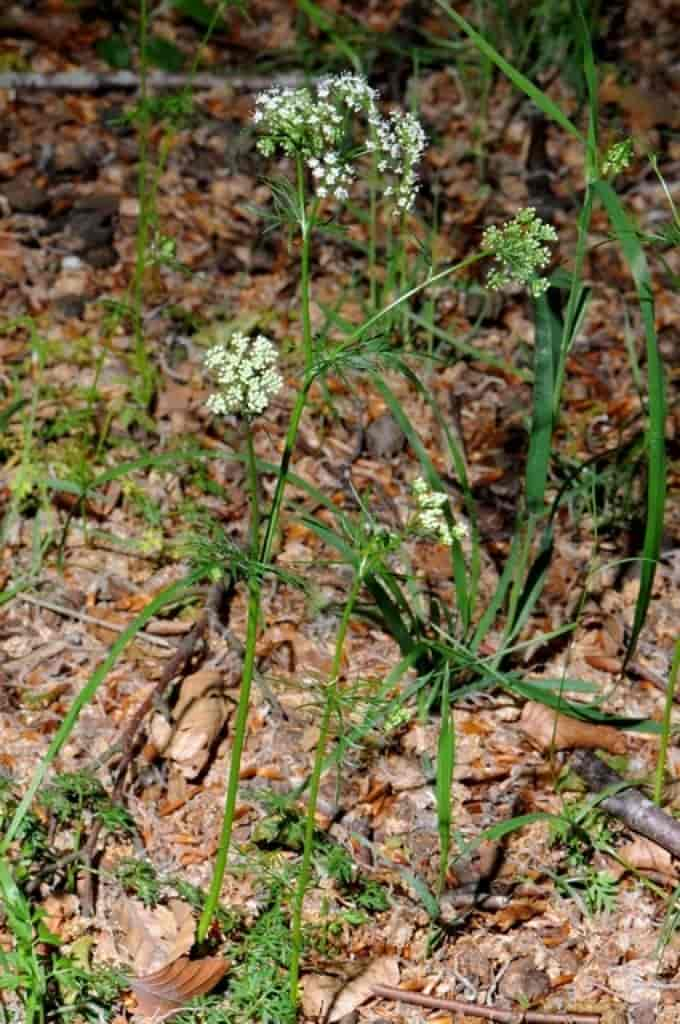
x=246, y=374
x=430, y=517
x=312, y=125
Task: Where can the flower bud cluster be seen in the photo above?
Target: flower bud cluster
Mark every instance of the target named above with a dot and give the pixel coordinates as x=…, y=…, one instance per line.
x=430, y=516
x=314, y=127
x=617, y=158
x=246, y=374
x=519, y=251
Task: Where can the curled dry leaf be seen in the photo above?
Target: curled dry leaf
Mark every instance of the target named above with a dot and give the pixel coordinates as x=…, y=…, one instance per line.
x=548, y=729
x=165, y=992
x=197, y=721
x=383, y=971
x=645, y=855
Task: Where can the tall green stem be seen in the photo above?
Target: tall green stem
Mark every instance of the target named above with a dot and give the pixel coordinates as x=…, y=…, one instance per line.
x=314, y=784
x=265, y=551
x=403, y=266
x=253, y=618
x=306, y=226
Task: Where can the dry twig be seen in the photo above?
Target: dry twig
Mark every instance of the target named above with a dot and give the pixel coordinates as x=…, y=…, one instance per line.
x=92, y=620
x=629, y=805
x=109, y=81
x=486, y=1012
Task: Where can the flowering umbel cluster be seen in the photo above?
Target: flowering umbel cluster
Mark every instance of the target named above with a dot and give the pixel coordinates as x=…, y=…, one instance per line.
x=430, y=516
x=246, y=374
x=314, y=126
x=520, y=251
x=617, y=158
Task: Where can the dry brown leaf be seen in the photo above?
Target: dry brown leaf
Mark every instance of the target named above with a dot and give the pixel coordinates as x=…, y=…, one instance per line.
x=306, y=656
x=603, y=662
x=645, y=855
x=11, y=258
x=318, y=993
x=383, y=971
x=197, y=720
x=518, y=912
x=644, y=109
x=547, y=729
x=151, y=938
x=165, y=992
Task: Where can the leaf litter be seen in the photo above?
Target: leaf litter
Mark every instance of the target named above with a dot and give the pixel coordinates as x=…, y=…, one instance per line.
x=506, y=933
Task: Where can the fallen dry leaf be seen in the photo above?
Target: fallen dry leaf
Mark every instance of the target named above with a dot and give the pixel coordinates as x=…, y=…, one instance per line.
x=318, y=993
x=152, y=938
x=547, y=729
x=383, y=971
x=644, y=109
x=645, y=855
x=165, y=992
x=197, y=720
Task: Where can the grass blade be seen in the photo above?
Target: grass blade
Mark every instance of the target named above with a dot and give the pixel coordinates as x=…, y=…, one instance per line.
x=540, y=440
x=542, y=101
x=656, y=412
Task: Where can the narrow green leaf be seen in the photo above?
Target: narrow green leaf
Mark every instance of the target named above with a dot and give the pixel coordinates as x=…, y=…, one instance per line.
x=656, y=413
x=540, y=438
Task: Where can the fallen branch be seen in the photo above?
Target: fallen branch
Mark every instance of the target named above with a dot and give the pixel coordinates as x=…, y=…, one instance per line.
x=109, y=81
x=486, y=1012
x=629, y=805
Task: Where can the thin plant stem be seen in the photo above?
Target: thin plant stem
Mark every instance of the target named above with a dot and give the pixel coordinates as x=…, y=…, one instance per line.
x=372, y=230
x=253, y=618
x=666, y=726
x=405, y=296
x=254, y=583
x=446, y=757
x=403, y=261
x=306, y=226
x=253, y=490
x=314, y=784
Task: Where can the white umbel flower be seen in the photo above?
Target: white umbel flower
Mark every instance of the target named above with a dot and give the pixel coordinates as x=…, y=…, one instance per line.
x=430, y=518
x=313, y=123
x=246, y=373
